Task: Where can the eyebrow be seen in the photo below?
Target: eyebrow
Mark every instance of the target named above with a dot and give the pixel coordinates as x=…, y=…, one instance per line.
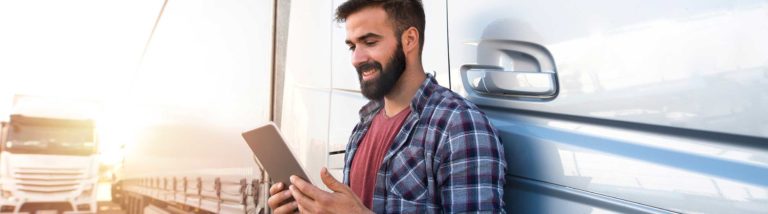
x=364, y=37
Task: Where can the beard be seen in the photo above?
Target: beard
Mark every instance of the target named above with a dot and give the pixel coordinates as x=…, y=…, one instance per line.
x=379, y=86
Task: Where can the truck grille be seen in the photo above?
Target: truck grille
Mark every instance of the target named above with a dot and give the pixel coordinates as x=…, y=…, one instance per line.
x=48, y=180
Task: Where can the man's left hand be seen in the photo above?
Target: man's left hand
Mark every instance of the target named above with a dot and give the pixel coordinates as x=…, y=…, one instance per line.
x=314, y=200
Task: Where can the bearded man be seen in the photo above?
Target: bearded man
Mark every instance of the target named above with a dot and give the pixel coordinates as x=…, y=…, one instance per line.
x=418, y=147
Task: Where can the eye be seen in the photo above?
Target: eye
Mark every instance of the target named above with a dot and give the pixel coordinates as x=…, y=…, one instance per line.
x=351, y=48
x=370, y=43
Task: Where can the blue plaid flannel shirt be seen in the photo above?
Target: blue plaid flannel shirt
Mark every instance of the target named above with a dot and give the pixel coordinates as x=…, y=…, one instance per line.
x=447, y=157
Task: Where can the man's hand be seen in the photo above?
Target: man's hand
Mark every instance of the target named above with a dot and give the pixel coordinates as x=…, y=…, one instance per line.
x=314, y=200
x=280, y=199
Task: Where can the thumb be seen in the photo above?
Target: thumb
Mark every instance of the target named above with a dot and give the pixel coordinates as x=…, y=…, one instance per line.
x=331, y=182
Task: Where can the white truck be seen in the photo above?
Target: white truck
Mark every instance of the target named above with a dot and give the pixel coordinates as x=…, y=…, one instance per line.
x=602, y=107
x=47, y=158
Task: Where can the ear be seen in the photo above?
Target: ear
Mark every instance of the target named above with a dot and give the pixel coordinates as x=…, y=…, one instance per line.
x=410, y=40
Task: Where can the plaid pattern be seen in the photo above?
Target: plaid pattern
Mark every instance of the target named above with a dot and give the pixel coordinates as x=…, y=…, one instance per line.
x=446, y=158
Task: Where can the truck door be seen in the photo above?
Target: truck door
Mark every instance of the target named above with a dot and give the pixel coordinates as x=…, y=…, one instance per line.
x=631, y=106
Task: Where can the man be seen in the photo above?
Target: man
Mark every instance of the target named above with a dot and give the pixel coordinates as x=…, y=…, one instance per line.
x=418, y=147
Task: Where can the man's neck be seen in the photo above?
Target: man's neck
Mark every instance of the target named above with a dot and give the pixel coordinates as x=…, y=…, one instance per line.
x=401, y=95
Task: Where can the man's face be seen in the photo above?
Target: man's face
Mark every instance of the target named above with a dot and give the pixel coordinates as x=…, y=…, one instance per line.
x=372, y=40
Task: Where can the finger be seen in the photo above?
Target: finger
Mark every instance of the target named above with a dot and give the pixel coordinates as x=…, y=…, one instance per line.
x=302, y=209
x=331, y=182
x=307, y=189
x=287, y=208
x=276, y=188
x=279, y=198
x=305, y=203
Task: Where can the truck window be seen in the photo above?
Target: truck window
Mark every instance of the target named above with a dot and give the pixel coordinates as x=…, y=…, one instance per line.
x=30, y=139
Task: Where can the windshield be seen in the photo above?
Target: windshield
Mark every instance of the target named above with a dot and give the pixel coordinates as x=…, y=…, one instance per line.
x=36, y=139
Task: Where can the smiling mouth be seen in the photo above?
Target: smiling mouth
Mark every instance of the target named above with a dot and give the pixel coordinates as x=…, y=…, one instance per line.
x=369, y=73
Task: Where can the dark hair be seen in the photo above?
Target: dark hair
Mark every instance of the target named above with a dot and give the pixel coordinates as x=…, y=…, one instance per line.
x=403, y=14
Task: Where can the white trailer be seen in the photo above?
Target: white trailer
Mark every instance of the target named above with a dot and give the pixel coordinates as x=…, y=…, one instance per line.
x=204, y=80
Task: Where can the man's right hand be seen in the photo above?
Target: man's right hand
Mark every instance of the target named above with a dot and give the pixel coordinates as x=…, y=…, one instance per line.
x=280, y=199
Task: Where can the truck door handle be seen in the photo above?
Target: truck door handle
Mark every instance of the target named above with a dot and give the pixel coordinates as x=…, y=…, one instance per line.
x=494, y=80
x=511, y=69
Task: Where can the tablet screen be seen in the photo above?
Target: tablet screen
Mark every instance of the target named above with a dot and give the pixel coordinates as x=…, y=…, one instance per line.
x=273, y=153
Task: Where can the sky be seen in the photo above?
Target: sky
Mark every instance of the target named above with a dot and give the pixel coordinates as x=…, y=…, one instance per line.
x=205, y=70
x=79, y=50
x=71, y=47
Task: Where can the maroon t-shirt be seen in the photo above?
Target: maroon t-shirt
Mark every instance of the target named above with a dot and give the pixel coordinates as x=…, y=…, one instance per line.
x=371, y=151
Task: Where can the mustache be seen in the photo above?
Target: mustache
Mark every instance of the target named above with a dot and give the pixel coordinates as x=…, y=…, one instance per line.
x=368, y=66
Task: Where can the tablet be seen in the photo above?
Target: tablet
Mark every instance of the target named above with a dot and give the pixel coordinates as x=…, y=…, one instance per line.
x=272, y=152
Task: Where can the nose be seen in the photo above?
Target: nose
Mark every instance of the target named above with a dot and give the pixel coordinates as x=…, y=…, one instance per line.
x=359, y=56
